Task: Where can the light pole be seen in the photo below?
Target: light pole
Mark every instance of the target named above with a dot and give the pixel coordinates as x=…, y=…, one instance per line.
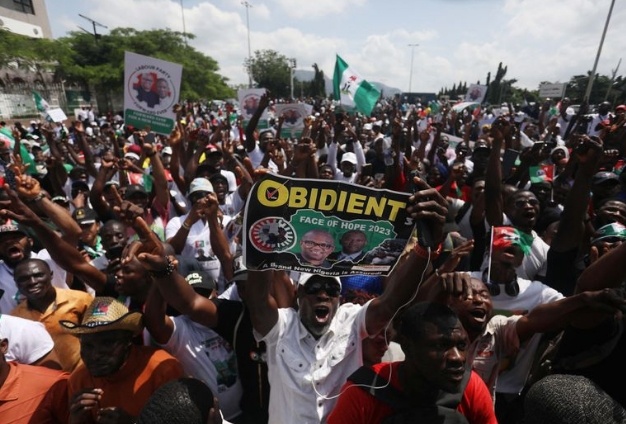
x=292, y=66
x=595, y=64
x=182, y=12
x=248, y=6
x=412, y=46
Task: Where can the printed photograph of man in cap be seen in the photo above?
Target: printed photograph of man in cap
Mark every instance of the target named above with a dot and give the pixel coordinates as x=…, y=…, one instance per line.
x=116, y=377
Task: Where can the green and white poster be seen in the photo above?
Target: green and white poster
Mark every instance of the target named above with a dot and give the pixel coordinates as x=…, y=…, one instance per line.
x=151, y=89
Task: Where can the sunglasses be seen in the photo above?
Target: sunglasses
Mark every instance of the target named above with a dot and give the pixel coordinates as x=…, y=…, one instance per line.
x=520, y=203
x=314, y=287
x=311, y=243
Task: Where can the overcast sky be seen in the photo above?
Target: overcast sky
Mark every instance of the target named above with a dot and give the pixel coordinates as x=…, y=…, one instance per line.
x=459, y=40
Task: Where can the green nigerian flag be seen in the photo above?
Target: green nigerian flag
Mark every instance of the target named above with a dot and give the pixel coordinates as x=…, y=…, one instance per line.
x=42, y=105
x=352, y=90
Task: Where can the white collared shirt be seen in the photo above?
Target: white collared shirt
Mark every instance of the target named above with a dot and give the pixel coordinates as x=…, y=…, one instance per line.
x=297, y=363
x=531, y=294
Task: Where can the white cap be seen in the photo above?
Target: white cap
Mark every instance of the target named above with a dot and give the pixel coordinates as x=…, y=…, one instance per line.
x=349, y=157
x=305, y=276
x=200, y=184
x=167, y=150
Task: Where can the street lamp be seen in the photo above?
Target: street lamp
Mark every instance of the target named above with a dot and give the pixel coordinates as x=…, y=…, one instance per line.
x=595, y=64
x=292, y=66
x=248, y=6
x=412, y=46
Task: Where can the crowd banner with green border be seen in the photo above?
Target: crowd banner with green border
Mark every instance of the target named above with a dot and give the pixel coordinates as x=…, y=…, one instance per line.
x=249, y=99
x=151, y=89
x=299, y=225
x=294, y=115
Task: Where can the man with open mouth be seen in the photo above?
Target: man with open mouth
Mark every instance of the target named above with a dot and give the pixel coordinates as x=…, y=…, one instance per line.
x=312, y=350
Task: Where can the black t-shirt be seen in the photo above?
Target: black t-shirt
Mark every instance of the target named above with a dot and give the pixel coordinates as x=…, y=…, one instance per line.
x=235, y=326
x=561, y=274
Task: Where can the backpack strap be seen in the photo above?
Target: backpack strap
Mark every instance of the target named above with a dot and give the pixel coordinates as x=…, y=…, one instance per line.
x=365, y=376
x=397, y=400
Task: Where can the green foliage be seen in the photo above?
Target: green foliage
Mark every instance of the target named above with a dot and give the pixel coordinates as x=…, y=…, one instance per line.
x=270, y=70
x=101, y=64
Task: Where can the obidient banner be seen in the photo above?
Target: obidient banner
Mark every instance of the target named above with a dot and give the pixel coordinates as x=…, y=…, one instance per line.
x=324, y=227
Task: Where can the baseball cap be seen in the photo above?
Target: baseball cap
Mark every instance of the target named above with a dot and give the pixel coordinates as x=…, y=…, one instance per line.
x=620, y=107
x=201, y=280
x=349, y=157
x=200, y=184
x=219, y=177
x=133, y=189
x=80, y=184
x=167, y=150
x=85, y=216
x=604, y=176
x=613, y=230
x=305, y=277
x=212, y=148
x=11, y=227
x=131, y=155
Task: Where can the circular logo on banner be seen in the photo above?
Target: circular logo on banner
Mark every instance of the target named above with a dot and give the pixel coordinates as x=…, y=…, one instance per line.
x=272, y=234
x=151, y=90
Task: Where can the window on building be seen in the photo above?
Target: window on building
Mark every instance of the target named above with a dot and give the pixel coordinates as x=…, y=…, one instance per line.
x=25, y=6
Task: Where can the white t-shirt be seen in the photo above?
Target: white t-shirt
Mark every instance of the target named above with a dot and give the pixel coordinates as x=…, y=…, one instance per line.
x=531, y=295
x=233, y=203
x=256, y=157
x=198, y=246
x=29, y=340
x=304, y=372
x=205, y=355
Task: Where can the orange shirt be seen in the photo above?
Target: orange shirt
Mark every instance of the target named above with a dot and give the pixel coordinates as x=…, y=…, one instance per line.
x=146, y=369
x=69, y=305
x=34, y=394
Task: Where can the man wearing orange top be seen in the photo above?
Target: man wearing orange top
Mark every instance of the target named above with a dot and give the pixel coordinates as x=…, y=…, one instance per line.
x=116, y=377
x=31, y=394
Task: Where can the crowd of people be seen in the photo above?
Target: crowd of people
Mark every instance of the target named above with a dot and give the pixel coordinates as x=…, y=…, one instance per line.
x=124, y=297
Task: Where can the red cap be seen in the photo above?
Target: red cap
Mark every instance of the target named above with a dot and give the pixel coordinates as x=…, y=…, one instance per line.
x=621, y=107
x=133, y=148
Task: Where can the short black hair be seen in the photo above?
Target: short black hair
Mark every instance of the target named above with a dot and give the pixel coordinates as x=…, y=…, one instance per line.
x=26, y=261
x=181, y=401
x=412, y=322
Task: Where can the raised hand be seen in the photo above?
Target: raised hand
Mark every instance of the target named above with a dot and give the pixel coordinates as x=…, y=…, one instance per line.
x=429, y=205
x=16, y=210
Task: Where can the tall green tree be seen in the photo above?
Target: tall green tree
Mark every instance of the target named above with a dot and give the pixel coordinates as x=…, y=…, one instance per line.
x=270, y=69
x=101, y=64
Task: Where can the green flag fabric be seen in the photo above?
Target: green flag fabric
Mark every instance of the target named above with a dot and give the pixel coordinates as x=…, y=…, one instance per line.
x=42, y=105
x=352, y=91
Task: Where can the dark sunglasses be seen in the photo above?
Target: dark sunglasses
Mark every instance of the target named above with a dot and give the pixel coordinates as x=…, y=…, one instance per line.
x=520, y=203
x=331, y=289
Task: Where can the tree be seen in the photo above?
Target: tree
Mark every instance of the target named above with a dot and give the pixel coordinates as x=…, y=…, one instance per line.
x=101, y=65
x=270, y=69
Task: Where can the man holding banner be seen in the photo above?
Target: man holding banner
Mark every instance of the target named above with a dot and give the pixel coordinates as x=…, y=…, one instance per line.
x=311, y=352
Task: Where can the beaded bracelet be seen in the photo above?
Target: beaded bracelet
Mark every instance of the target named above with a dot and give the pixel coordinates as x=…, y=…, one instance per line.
x=169, y=269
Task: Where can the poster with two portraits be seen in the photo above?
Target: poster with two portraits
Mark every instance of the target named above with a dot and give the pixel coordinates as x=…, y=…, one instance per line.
x=324, y=227
x=151, y=89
